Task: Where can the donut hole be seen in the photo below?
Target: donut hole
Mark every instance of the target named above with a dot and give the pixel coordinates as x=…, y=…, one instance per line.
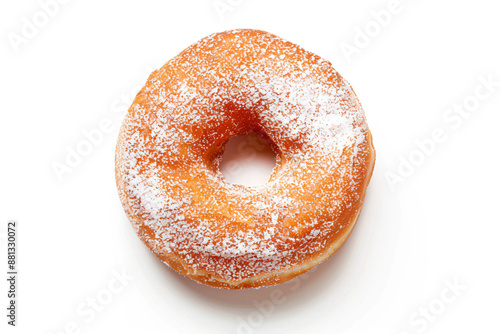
x=248, y=160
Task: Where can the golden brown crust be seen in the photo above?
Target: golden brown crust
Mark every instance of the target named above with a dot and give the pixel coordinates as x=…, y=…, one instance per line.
x=230, y=236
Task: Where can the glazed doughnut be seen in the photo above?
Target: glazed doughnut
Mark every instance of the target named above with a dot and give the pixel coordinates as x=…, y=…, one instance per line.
x=170, y=144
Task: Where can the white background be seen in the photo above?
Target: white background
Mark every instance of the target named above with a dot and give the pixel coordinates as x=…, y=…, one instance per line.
x=438, y=225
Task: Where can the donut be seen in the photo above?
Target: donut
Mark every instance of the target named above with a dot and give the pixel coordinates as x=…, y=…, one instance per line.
x=172, y=138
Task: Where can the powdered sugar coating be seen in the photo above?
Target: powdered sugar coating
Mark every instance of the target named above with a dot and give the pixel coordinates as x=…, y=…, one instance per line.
x=225, y=85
